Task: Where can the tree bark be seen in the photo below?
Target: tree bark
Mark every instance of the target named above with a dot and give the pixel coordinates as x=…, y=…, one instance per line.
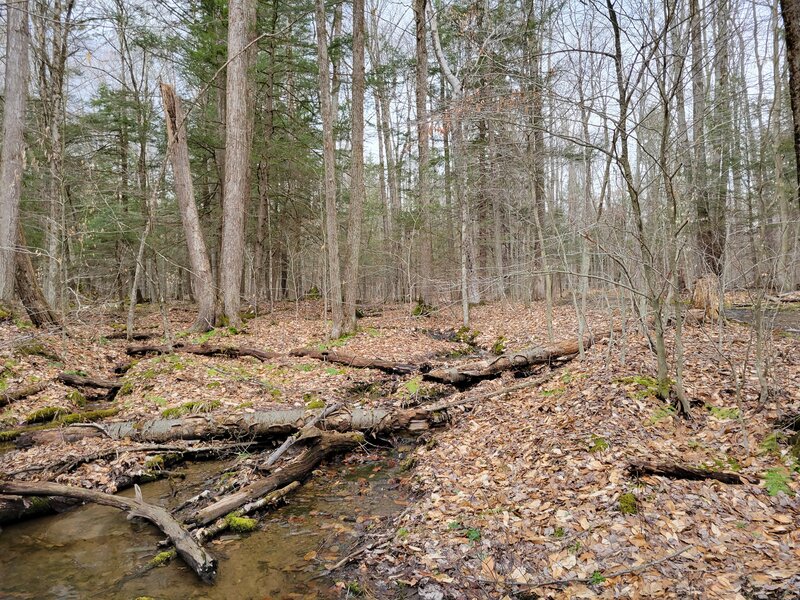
x=329, y=158
x=12, y=160
x=28, y=288
x=423, y=155
x=790, y=11
x=199, y=263
x=350, y=360
x=357, y=191
x=203, y=350
x=238, y=140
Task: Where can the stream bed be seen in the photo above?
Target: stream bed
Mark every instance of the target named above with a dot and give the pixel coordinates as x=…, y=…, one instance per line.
x=87, y=552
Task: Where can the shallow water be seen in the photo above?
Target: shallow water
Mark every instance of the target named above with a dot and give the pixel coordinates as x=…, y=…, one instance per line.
x=785, y=319
x=87, y=552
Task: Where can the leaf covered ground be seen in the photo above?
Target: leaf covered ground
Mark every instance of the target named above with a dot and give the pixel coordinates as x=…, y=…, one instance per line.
x=524, y=494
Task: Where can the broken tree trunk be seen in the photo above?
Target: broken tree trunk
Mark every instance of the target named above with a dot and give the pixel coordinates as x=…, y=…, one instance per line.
x=188, y=548
x=675, y=471
x=350, y=360
x=21, y=393
x=473, y=372
x=77, y=381
x=290, y=441
x=258, y=425
x=139, y=337
x=204, y=350
x=326, y=443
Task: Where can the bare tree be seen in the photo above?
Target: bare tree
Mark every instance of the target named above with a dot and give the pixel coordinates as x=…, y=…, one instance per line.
x=423, y=157
x=184, y=192
x=12, y=161
x=328, y=152
x=238, y=141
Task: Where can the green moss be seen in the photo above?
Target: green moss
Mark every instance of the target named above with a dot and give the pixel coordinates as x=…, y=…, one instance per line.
x=771, y=443
x=724, y=414
x=306, y=368
x=402, y=533
x=336, y=343
x=162, y=558
x=240, y=524
x=465, y=335
x=648, y=386
x=38, y=505
x=559, y=533
x=627, y=504
x=499, y=346
x=68, y=419
x=156, y=462
x=315, y=403
x=126, y=388
x=193, y=407
x=407, y=464
x=5, y=313
x=245, y=405
x=313, y=293
x=76, y=397
x=354, y=588
x=661, y=413
x=36, y=348
x=422, y=310
x=48, y=413
x=598, y=444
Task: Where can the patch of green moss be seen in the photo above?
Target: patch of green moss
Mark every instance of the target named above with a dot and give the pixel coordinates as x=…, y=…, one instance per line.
x=240, y=524
x=499, y=346
x=598, y=444
x=556, y=391
x=304, y=368
x=354, y=589
x=5, y=313
x=193, y=407
x=156, y=462
x=245, y=405
x=36, y=348
x=777, y=481
x=421, y=309
x=465, y=335
x=313, y=293
x=162, y=558
x=38, y=505
x=315, y=403
x=771, y=443
x=126, y=388
x=76, y=397
x=407, y=464
x=336, y=343
x=68, y=419
x=627, y=504
x=649, y=386
x=48, y=413
x=661, y=413
x=724, y=414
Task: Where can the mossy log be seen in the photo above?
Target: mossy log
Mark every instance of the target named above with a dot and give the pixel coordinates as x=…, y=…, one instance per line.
x=204, y=534
x=79, y=381
x=188, y=549
x=350, y=360
x=77, y=421
x=473, y=372
x=253, y=426
x=203, y=350
x=326, y=444
x=21, y=393
x=20, y=508
x=676, y=471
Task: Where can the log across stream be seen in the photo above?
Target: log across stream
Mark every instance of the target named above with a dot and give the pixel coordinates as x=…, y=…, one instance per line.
x=60, y=557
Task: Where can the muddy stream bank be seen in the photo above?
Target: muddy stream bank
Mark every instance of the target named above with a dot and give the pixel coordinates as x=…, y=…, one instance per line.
x=87, y=552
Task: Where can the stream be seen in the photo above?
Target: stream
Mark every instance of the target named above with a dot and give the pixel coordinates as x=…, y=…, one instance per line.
x=784, y=319
x=87, y=552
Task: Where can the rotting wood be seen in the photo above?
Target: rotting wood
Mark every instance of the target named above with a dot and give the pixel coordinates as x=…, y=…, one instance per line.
x=250, y=426
x=203, y=350
x=676, y=471
x=350, y=360
x=473, y=372
x=297, y=470
x=204, y=534
x=187, y=547
x=139, y=337
x=22, y=393
x=290, y=441
x=78, y=381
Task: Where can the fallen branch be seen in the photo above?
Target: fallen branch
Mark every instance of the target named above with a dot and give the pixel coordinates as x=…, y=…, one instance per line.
x=206, y=533
x=188, y=548
x=203, y=350
x=273, y=458
x=21, y=393
x=139, y=337
x=296, y=470
x=473, y=372
x=351, y=360
x=675, y=471
x=444, y=405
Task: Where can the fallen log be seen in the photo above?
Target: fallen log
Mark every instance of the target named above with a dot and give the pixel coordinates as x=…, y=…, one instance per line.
x=79, y=381
x=187, y=547
x=204, y=534
x=246, y=427
x=297, y=470
x=21, y=393
x=676, y=471
x=473, y=372
x=351, y=360
x=203, y=350
x=139, y=337
x=16, y=508
x=290, y=441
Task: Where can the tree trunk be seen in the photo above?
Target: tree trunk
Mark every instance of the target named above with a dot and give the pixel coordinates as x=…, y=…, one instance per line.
x=28, y=288
x=423, y=157
x=329, y=157
x=12, y=160
x=357, y=191
x=238, y=140
x=790, y=10
x=184, y=193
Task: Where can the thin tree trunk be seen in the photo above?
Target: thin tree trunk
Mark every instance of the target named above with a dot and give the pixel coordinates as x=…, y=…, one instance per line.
x=423, y=157
x=12, y=161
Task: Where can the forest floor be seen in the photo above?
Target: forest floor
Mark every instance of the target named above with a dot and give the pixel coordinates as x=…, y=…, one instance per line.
x=527, y=494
